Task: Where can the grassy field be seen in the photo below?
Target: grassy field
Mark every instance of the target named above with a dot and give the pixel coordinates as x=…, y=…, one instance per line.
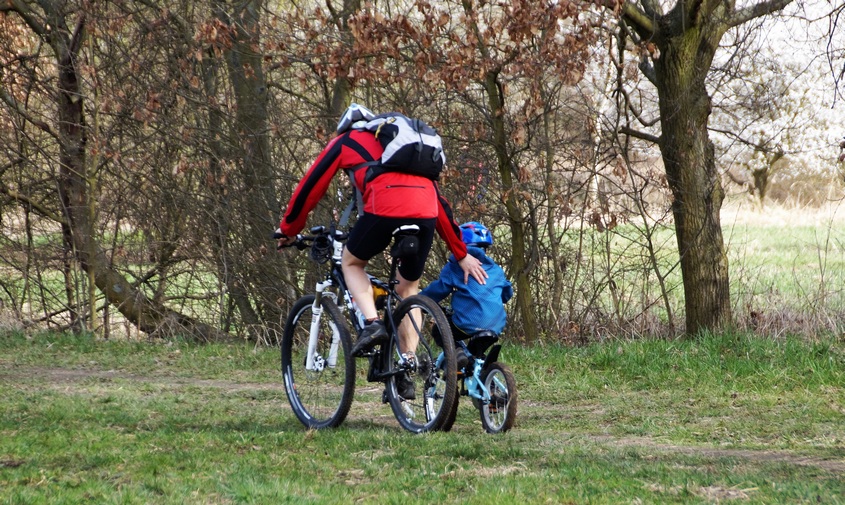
x=727, y=418
x=787, y=258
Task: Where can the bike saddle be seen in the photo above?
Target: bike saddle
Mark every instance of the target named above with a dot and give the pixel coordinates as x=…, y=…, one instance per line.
x=406, y=242
x=406, y=229
x=481, y=341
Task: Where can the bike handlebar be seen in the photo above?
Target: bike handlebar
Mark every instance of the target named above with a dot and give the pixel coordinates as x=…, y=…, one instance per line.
x=299, y=243
x=304, y=241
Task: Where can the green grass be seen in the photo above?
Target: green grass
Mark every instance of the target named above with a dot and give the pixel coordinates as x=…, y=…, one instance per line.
x=725, y=417
x=791, y=266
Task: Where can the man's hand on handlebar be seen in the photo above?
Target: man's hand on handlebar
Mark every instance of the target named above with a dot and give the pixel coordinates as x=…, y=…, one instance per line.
x=283, y=240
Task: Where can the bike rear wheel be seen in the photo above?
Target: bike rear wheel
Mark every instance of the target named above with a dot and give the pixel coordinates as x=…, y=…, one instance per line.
x=433, y=377
x=319, y=389
x=453, y=414
x=500, y=414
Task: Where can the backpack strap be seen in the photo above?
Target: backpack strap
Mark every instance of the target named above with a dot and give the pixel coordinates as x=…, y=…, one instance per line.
x=356, y=199
x=373, y=170
x=354, y=169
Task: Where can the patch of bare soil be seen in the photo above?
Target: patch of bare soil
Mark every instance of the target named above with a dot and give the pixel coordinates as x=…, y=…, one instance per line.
x=760, y=456
x=66, y=377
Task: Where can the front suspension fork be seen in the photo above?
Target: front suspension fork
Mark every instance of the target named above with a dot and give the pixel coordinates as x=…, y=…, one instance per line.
x=312, y=361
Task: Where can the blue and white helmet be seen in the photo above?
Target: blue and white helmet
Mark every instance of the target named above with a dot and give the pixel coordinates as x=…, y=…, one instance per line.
x=476, y=234
x=353, y=114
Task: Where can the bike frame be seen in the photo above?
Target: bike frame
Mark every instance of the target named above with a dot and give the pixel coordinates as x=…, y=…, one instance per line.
x=474, y=383
x=335, y=278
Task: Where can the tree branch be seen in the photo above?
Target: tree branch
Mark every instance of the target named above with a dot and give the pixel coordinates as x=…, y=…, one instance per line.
x=37, y=207
x=76, y=38
x=25, y=13
x=760, y=147
x=647, y=69
x=830, y=50
x=7, y=166
x=637, y=112
x=757, y=10
x=22, y=112
x=644, y=65
x=639, y=135
x=182, y=25
x=639, y=21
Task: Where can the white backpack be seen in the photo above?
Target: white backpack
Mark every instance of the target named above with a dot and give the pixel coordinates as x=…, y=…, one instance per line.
x=410, y=146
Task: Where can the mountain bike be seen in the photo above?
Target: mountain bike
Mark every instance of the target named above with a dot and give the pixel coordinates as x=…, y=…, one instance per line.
x=318, y=369
x=489, y=383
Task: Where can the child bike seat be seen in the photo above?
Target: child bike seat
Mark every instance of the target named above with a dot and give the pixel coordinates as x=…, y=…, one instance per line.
x=481, y=341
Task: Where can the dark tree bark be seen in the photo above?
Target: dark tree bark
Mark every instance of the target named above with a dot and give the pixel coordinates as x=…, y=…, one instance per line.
x=246, y=73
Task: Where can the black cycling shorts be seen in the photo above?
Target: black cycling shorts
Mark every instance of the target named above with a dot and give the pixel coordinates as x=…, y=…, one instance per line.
x=372, y=234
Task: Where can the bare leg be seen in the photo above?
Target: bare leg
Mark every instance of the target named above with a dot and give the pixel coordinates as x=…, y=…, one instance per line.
x=359, y=284
x=408, y=337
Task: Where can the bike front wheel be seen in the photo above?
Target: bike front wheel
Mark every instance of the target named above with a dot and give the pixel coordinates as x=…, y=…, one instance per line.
x=421, y=393
x=500, y=414
x=317, y=367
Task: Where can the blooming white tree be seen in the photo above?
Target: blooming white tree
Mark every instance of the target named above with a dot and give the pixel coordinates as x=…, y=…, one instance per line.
x=775, y=115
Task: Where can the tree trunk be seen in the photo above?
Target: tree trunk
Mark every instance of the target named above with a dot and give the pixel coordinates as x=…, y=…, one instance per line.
x=519, y=267
x=249, y=267
x=689, y=159
x=681, y=43
x=342, y=87
x=761, y=175
x=552, y=188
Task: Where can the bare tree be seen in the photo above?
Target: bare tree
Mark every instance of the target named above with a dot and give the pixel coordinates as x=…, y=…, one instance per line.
x=62, y=26
x=489, y=63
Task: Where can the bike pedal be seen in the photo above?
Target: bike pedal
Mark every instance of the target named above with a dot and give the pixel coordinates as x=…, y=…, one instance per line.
x=368, y=354
x=384, y=396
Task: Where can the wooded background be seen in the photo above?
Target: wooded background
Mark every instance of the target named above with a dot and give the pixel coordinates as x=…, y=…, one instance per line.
x=148, y=147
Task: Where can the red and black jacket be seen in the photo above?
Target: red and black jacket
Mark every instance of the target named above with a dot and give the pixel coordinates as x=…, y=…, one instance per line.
x=392, y=194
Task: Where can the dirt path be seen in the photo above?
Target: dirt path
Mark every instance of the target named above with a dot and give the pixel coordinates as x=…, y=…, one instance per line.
x=64, y=378
x=760, y=456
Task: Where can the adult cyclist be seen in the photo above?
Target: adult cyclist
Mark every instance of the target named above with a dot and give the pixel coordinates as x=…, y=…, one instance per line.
x=390, y=200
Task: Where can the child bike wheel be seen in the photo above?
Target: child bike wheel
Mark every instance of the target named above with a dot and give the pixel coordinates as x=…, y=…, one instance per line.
x=432, y=382
x=499, y=415
x=320, y=396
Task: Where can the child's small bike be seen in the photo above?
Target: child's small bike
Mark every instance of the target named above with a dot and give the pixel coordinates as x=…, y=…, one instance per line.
x=489, y=383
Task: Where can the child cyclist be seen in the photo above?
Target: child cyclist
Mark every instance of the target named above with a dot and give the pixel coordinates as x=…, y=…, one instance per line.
x=475, y=307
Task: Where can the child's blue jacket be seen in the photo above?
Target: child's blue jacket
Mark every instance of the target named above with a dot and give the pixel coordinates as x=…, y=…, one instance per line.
x=475, y=306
